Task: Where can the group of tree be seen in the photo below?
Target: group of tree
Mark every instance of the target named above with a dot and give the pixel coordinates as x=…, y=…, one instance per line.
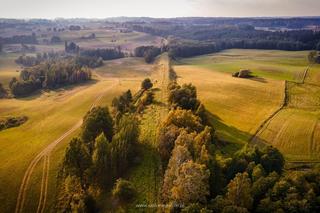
x=314, y=57
x=20, y=39
x=91, y=36
x=29, y=60
x=55, y=39
x=182, y=48
x=74, y=27
x=148, y=52
x=3, y=91
x=185, y=145
x=48, y=75
x=105, y=54
x=127, y=103
x=95, y=160
x=10, y=122
x=71, y=47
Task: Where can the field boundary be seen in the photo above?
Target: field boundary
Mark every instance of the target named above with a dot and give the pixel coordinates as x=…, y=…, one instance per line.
x=283, y=105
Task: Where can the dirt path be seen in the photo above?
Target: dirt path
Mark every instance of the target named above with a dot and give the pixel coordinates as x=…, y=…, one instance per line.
x=45, y=155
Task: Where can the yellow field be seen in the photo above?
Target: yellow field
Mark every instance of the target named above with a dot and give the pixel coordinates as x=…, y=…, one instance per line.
x=50, y=115
x=295, y=132
x=238, y=106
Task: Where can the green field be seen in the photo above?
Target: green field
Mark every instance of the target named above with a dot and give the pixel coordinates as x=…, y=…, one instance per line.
x=50, y=115
x=272, y=64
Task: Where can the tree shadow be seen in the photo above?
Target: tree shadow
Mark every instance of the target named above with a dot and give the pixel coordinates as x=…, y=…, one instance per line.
x=258, y=79
x=236, y=137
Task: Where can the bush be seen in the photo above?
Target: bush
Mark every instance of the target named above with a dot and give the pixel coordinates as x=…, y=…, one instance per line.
x=123, y=190
x=146, y=84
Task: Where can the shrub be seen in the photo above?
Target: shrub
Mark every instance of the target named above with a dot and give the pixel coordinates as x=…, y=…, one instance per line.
x=123, y=190
x=146, y=84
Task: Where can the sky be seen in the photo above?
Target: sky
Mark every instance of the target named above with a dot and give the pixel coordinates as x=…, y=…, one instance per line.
x=156, y=8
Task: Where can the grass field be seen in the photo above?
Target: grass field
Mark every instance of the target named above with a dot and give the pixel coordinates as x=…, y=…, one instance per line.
x=295, y=132
x=239, y=106
x=50, y=115
x=273, y=64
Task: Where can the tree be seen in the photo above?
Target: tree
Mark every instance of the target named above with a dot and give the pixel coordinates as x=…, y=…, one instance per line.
x=239, y=191
x=146, y=84
x=191, y=184
x=98, y=120
x=184, y=97
x=180, y=154
x=101, y=160
x=3, y=91
x=123, y=144
x=123, y=190
x=77, y=159
x=272, y=160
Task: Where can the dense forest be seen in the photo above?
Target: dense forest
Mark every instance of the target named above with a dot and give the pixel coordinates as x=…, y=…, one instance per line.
x=48, y=75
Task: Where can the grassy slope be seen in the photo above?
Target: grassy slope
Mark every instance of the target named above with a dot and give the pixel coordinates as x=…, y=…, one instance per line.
x=50, y=115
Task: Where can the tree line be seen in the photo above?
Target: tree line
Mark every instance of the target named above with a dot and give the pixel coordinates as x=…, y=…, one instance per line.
x=20, y=39
x=105, y=54
x=48, y=75
x=195, y=39
x=149, y=53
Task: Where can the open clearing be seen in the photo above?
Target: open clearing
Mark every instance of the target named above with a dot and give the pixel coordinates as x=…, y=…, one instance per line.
x=50, y=114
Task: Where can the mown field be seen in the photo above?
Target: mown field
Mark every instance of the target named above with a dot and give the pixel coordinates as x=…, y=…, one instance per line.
x=50, y=115
x=239, y=106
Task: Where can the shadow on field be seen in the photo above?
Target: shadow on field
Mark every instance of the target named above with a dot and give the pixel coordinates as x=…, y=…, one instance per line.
x=236, y=137
x=258, y=79
x=66, y=88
